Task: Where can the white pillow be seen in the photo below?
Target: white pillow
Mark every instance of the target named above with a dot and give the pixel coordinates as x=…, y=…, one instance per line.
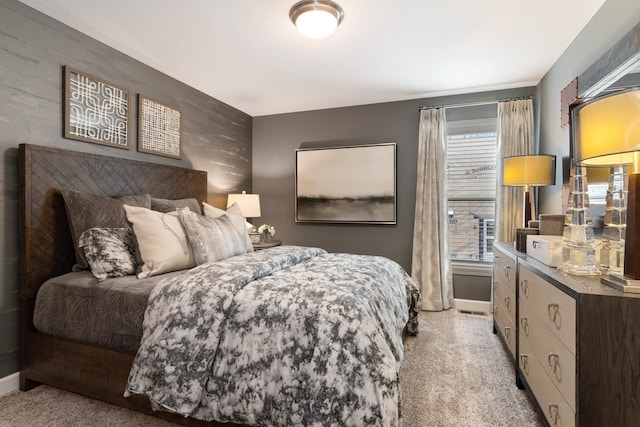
x=211, y=239
x=237, y=220
x=161, y=243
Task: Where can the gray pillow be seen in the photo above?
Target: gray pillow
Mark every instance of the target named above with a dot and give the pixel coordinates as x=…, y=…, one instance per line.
x=166, y=205
x=85, y=211
x=110, y=252
x=211, y=239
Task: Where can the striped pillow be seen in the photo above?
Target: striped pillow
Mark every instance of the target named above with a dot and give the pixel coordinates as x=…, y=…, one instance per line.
x=211, y=239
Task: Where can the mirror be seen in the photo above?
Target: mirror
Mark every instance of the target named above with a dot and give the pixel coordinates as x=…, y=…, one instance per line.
x=617, y=69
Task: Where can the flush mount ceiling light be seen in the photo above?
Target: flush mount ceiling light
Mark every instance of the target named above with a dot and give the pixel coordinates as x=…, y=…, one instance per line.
x=316, y=19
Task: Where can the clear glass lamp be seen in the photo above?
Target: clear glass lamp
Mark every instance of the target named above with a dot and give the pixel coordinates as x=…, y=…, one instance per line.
x=607, y=133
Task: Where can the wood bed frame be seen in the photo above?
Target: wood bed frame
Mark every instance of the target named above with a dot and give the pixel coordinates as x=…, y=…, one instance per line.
x=46, y=251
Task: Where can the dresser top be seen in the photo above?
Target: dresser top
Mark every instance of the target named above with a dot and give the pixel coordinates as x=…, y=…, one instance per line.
x=571, y=283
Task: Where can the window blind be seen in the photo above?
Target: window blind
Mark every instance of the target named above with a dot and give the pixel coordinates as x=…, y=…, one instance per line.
x=471, y=191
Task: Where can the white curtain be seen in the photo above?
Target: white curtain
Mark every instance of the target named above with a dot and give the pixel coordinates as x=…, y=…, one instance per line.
x=515, y=138
x=431, y=266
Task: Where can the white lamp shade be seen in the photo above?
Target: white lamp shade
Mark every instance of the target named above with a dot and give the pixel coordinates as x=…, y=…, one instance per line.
x=607, y=130
x=532, y=170
x=249, y=203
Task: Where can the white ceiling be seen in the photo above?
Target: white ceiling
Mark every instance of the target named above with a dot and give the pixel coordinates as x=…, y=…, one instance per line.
x=248, y=54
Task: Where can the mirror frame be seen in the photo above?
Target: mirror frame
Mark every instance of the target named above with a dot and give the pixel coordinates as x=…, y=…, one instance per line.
x=610, y=67
x=623, y=56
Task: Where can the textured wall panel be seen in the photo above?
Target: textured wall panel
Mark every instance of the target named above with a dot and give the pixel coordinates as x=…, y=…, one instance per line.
x=33, y=50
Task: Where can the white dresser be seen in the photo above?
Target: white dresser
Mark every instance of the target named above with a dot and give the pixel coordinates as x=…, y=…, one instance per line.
x=577, y=346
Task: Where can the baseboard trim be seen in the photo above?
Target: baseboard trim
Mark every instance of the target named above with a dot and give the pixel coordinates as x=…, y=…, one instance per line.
x=472, y=306
x=9, y=383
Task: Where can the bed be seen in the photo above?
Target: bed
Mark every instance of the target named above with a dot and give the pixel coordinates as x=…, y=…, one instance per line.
x=224, y=347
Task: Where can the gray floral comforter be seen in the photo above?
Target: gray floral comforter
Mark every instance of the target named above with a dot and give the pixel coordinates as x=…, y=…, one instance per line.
x=289, y=336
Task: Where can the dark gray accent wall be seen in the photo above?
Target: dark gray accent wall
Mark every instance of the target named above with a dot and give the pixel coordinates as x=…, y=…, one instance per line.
x=276, y=137
x=33, y=49
x=472, y=287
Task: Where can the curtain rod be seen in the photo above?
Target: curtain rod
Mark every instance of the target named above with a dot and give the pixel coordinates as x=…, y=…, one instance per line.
x=473, y=104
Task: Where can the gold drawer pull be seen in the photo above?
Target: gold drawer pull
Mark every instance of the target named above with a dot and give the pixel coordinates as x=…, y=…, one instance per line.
x=524, y=325
x=507, y=269
x=524, y=365
x=553, y=310
x=524, y=287
x=507, y=332
x=553, y=413
x=507, y=302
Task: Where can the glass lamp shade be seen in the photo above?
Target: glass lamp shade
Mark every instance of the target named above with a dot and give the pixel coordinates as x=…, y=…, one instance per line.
x=316, y=19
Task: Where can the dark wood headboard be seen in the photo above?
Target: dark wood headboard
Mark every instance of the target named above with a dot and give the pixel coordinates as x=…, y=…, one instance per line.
x=46, y=249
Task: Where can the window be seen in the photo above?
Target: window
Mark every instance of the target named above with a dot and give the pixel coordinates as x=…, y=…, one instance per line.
x=471, y=190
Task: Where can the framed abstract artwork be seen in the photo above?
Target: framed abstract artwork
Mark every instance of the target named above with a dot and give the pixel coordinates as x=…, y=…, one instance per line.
x=95, y=110
x=159, y=128
x=350, y=184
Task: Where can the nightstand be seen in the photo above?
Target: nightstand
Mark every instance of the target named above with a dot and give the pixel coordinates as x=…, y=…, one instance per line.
x=264, y=245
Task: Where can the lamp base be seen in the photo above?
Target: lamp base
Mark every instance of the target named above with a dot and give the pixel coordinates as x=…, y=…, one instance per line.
x=250, y=227
x=622, y=284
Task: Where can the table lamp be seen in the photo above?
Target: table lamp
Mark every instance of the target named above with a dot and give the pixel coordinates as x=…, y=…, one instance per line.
x=249, y=205
x=535, y=170
x=606, y=132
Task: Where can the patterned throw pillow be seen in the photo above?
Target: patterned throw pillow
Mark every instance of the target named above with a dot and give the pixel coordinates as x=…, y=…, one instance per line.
x=211, y=239
x=238, y=221
x=110, y=252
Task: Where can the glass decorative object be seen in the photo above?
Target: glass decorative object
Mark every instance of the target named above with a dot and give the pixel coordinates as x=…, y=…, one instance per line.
x=578, y=245
x=615, y=222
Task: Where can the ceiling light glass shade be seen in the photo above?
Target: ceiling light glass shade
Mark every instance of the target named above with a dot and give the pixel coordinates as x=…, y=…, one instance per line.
x=316, y=19
x=533, y=170
x=607, y=130
x=249, y=204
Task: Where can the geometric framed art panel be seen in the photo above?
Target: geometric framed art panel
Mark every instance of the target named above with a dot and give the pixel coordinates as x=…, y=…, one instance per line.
x=159, y=128
x=95, y=110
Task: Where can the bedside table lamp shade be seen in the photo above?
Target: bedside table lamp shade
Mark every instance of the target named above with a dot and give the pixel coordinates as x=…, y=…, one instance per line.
x=528, y=171
x=249, y=205
x=607, y=133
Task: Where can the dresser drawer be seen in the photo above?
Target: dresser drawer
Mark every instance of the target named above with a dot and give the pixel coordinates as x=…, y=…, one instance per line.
x=505, y=327
x=553, y=307
x=504, y=270
x=557, y=361
x=505, y=297
x=556, y=409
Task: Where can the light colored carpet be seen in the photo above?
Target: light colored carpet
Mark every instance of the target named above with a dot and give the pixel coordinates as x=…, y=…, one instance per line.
x=455, y=373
